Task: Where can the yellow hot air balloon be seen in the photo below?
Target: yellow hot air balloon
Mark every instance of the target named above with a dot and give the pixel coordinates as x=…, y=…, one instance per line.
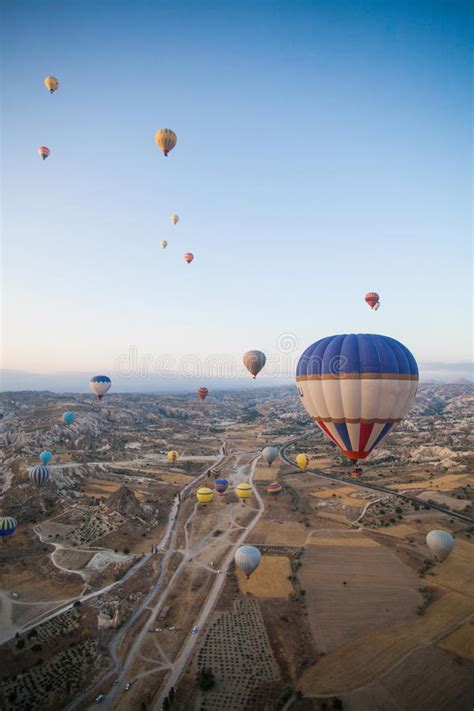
x=163, y=244
x=172, y=456
x=51, y=83
x=302, y=460
x=244, y=490
x=165, y=139
x=204, y=495
x=174, y=219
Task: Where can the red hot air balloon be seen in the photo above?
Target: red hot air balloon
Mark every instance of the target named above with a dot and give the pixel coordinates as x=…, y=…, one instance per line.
x=44, y=152
x=373, y=299
x=188, y=257
x=202, y=393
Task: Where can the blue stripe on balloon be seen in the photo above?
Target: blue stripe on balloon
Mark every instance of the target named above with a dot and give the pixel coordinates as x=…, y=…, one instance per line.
x=344, y=434
x=382, y=434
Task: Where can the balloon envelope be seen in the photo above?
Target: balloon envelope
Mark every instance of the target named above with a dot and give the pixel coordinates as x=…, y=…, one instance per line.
x=274, y=489
x=247, y=558
x=7, y=526
x=373, y=299
x=163, y=244
x=44, y=152
x=440, y=543
x=174, y=219
x=202, y=393
x=302, y=460
x=45, y=456
x=100, y=385
x=204, y=495
x=356, y=387
x=69, y=418
x=188, y=257
x=39, y=475
x=172, y=456
x=254, y=361
x=270, y=454
x=51, y=83
x=221, y=486
x=165, y=139
x=244, y=490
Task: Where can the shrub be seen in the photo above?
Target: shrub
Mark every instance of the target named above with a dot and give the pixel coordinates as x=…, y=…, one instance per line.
x=37, y=647
x=20, y=644
x=205, y=679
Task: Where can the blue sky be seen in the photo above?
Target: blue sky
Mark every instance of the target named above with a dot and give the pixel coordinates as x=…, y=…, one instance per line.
x=324, y=150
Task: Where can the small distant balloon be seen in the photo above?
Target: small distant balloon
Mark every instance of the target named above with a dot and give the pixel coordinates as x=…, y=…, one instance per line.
x=440, y=543
x=51, y=83
x=270, y=454
x=165, y=139
x=373, y=299
x=172, y=456
x=100, y=385
x=68, y=418
x=45, y=456
x=163, y=244
x=302, y=460
x=274, y=489
x=221, y=486
x=244, y=490
x=44, y=152
x=7, y=526
x=188, y=257
x=174, y=219
x=39, y=475
x=204, y=495
x=254, y=361
x=247, y=558
x=202, y=393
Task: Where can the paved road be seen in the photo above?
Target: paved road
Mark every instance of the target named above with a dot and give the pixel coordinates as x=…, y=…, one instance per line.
x=376, y=487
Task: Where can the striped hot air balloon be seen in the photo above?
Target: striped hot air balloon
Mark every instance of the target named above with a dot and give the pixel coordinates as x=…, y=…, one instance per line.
x=247, y=558
x=7, y=526
x=202, y=393
x=44, y=152
x=188, y=257
x=100, y=385
x=244, y=490
x=254, y=361
x=274, y=489
x=302, y=460
x=172, y=456
x=204, y=495
x=39, y=475
x=373, y=299
x=166, y=140
x=356, y=388
x=221, y=486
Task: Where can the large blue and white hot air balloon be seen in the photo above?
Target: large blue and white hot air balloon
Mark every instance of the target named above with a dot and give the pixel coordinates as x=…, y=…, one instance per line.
x=100, y=385
x=39, y=475
x=45, y=457
x=7, y=526
x=356, y=388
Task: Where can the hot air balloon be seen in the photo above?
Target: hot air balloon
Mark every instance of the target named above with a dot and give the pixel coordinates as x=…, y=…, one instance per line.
x=254, y=361
x=221, y=486
x=68, y=418
x=302, y=460
x=51, y=83
x=247, y=558
x=270, y=454
x=440, y=543
x=44, y=152
x=39, y=475
x=100, y=385
x=356, y=388
x=373, y=299
x=172, y=456
x=244, y=491
x=204, y=495
x=7, y=527
x=163, y=244
x=174, y=219
x=45, y=457
x=165, y=139
x=202, y=393
x=274, y=489
x=188, y=257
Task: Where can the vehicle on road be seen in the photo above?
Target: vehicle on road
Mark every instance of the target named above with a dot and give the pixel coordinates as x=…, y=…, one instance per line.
x=195, y=630
x=99, y=698
x=128, y=685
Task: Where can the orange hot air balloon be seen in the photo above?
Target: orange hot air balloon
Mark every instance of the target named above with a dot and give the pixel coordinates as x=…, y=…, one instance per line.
x=188, y=257
x=44, y=152
x=372, y=298
x=202, y=393
x=165, y=139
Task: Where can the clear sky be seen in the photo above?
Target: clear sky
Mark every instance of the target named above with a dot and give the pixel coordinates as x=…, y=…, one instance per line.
x=324, y=150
